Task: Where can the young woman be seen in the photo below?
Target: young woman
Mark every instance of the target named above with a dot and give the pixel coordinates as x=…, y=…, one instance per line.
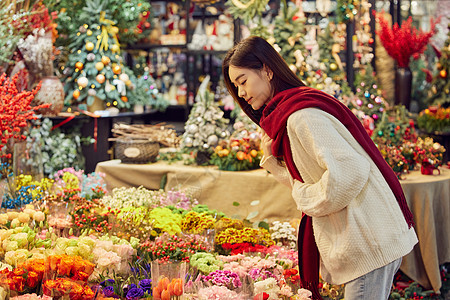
x=354, y=211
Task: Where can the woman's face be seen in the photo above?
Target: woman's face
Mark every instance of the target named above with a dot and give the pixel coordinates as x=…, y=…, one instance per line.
x=252, y=85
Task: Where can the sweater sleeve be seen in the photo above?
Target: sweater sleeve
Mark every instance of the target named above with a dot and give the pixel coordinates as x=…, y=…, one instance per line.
x=280, y=173
x=338, y=172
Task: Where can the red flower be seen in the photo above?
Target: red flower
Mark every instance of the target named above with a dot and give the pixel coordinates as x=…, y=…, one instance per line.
x=403, y=42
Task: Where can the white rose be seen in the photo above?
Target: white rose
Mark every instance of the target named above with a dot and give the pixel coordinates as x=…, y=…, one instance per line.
x=39, y=216
x=23, y=217
x=12, y=215
x=3, y=219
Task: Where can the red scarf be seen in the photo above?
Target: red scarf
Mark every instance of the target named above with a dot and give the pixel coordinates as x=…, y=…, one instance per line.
x=274, y=121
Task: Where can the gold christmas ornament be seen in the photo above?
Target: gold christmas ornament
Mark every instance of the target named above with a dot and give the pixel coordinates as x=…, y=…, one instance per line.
x=89, y=46
x=438, y=66
x=99, y=66
x=128, y=82
x=76, y=94
x=105, y=60
x=443, y=73
x=116, y=69
x=333, y=67
x=100, y=78
x=83, y=82
x=79, y=65
x=115, y=48
x=89, y=32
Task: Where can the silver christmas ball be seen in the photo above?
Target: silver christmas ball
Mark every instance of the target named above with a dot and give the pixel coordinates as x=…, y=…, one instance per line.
x=192, y=128
x=199, y=119
x=188, y=142
x=92, y=92
x=223, y=134
x=205, y=146
x=213, y=139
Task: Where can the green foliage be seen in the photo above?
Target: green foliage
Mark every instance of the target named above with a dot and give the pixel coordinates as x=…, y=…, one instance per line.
x=59, y=150
x=439, y=93
x=125, y=14
x=146, y=93
x=247, y=10
x=437, y=120
x=288, y=32
x=9, y=34
x=367, y=91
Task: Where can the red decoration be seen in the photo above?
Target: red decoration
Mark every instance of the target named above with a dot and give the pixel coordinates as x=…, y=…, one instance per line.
x=15, y=110
x=403, y=42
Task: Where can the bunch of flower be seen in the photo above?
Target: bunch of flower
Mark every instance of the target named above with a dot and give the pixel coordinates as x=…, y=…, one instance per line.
x=93, y=185
x=165, y=220
x=133, y=222
x=39, y=18
x=268, y=286
x=166, y=289
x=224, y=278
x=258, y=236
x=41, y=188
x=91, y=215
x=111, y=258
x=434, y=119
x=68, y=178
x=178, y=199
x=194, y=222
x=16, y=110
x=132, y=197
x=15, y=219
x=67, y=288
x=205, y=262
x=257, y=267
x=37, y=52
x=27, y=276
x=404, y=42
x=33, y=296
x=283, y=234
x=82, y=246
x=171, y=247
x=225, y=223
x=73, y=267
x=292, y=276
x=239, y=248
x=218, y=292
x=331, y=291
x=429, y=152
x=18, y=238
x=237, y=155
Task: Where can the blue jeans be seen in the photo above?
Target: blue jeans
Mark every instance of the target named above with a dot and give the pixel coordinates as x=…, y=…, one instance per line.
x=375, y=285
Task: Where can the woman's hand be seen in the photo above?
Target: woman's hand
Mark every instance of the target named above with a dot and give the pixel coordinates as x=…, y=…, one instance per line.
x=266, y=144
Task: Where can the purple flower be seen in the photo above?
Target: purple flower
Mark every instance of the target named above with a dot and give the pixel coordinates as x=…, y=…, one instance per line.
x=135, y=293
x=108, y=291
x=107, y=282
x=146, y=285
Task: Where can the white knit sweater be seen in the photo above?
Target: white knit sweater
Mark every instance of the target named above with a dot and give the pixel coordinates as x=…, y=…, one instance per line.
x=357, y=222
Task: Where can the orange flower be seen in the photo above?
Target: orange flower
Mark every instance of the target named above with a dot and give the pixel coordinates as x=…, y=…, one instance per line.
x=65, y=266
x=32, y=279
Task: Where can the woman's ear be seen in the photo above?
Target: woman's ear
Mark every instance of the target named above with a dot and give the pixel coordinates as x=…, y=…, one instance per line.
x=268, y=72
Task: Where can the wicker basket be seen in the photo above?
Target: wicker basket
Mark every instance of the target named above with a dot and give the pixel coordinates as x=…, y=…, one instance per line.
x=136, y=151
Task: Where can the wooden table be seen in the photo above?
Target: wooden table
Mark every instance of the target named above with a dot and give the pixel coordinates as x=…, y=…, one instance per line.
x=428, y=197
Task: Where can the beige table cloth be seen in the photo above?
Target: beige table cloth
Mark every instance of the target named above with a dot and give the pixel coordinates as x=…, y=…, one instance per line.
x=428, y=198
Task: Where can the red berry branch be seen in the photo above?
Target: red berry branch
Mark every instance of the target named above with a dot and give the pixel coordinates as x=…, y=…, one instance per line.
x=404, y=42
x=15, y=110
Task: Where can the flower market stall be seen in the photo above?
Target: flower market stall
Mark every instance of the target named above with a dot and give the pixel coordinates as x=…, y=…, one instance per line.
x=128, y=172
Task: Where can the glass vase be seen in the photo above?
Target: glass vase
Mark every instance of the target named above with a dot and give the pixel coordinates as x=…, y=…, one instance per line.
x=28, y=160
x=168, y=279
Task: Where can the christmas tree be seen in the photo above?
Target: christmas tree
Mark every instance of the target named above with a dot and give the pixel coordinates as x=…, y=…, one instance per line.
x=95, y=69
x=331, y=65
x=440, y=86
x=368, y=96
x=147, y=93
x=205, y=125
x=288, y=32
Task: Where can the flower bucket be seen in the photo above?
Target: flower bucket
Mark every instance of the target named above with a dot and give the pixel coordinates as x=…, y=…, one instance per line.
x=168, y=279
x=428, y=169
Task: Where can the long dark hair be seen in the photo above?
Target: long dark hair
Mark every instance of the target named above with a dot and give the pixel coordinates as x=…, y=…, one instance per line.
x=255, y=53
